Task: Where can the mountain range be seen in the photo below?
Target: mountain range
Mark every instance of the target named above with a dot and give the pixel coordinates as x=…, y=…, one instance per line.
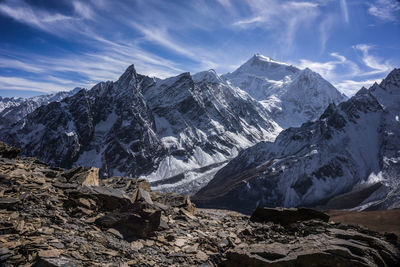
x=176, y=132
x=15, y=108
x=347, y=159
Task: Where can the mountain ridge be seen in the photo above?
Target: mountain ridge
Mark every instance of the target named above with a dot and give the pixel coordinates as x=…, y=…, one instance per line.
x=184, y=127
x=352, y=146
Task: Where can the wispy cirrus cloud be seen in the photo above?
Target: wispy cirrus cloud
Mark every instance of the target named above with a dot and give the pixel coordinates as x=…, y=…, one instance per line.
x=328, y=69
x=18, y=83
x=378, y=65
x=350, y=87
x=271, y=14
x=51, y=22
x=85, y=42
x=385, y=10
x=345, y=11
x=349, y=76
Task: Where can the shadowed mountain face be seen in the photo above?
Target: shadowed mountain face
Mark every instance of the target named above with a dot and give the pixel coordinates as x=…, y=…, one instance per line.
x=177, y=132
x=350, y=156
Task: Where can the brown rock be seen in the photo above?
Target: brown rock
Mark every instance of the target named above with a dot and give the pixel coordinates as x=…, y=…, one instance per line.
x=83, y=176
x=136, y=245
x=51, y=253
x=144, y=195
x=84, y=202
x=187, y=213
x=180, y=242
x=132, y=225
x=106, y=199
x=201, y=256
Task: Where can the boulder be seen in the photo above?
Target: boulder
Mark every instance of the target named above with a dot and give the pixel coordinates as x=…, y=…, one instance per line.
x=105, y=198
x=132, y=225
x=144, y=196
x=83, y=176
x=288, y=216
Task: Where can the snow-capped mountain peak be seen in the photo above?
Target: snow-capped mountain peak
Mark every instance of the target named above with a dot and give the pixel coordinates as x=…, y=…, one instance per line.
x=293, y=96
x=263, y=67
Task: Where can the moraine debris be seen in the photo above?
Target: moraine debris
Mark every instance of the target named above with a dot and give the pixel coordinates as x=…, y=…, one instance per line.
x=49, y=217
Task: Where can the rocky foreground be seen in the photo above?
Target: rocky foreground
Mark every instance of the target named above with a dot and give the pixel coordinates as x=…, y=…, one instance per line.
x=52, y=217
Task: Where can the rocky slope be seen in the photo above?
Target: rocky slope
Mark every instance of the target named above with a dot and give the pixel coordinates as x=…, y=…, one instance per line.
x=292, y=96
x=183, y=128
x=51, y=217
x=14, y=109
x=349, y=157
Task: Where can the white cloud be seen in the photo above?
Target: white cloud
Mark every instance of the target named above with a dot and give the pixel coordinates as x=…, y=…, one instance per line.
x=160, y=36
x=17, y=83
x=329, y=69
x=325, y=28
x=286, y=18
x=385, y=10
x=83, y=10
x=350, y=87
x=125, y=42
x=347, y=75
x=345, y=12
x=22, y=12
x=373, y=62
x=225, y=3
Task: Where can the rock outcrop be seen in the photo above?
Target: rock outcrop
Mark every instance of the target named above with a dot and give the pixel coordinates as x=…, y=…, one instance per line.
x=52, y=217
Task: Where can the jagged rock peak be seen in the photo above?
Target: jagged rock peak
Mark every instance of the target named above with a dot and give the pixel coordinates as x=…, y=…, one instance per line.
x=129, y=75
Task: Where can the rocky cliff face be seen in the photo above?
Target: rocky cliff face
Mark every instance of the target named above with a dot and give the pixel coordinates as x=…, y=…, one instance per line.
x=52, y=217
x=348, y=156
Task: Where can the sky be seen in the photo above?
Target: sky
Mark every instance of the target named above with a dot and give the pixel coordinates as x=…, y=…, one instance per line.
x=48, y=46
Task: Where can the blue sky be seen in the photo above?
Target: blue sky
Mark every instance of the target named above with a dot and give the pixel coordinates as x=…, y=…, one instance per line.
x=48, y=46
